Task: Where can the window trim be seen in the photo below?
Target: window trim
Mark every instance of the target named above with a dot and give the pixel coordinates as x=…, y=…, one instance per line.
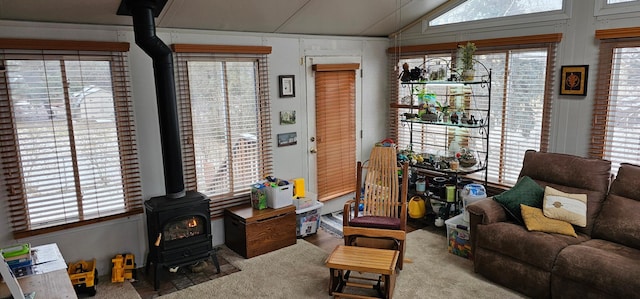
x=182, y=54
x=524, y=20
x=610, y=39
x=603, y=9
x=131, y=185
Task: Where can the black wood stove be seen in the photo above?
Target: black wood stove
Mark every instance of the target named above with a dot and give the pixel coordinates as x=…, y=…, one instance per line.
x=178, y=223
x=179, y=232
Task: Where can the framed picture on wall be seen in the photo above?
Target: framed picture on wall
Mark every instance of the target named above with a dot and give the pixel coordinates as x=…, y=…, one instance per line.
x=573, y=80
x=287, y=86
x=286, y=139
x=287, y=117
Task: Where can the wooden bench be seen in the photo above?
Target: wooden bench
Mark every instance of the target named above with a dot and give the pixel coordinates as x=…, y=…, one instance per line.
x=345, y=259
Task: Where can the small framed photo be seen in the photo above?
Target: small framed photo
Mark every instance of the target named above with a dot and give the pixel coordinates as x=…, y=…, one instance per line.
x=287, y=86
x=573, y=80
x=287, y=117
x=286, y=139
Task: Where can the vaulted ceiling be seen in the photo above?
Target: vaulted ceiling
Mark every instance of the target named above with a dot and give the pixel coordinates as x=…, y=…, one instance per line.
x=318, y=17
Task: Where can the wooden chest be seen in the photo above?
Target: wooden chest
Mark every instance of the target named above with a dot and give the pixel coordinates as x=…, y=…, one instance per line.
x=251, y=232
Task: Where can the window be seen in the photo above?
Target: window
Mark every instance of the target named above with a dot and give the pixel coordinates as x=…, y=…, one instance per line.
x=615, y=133
x=619, y=1
x=68, y=135
x=225, y=121
x=473, y=10
x=604, y=8
x=521, y=94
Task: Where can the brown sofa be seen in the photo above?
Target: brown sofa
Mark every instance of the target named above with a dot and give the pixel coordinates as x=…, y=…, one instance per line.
x=602, y=262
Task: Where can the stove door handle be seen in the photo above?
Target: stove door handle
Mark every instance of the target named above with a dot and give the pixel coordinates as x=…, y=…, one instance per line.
x=157, y=243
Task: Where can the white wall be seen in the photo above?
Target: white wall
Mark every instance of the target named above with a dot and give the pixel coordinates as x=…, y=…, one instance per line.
x=571, y=116
x=103, y=241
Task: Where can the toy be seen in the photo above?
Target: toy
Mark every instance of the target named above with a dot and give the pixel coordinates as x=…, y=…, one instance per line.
x=84, y=276
x=124, y=267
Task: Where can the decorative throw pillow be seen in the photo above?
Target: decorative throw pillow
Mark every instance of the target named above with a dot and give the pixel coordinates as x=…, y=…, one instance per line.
x=535, y=220
x=565, y=206
x=526, y=191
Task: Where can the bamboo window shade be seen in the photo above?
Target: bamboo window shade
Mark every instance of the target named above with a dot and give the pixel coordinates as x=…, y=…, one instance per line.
x=615, y=130
x=224, y=113
x=335, y=129
x=68, y=134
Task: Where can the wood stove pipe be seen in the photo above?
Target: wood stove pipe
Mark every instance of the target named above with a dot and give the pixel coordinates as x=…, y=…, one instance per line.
x=145, y=37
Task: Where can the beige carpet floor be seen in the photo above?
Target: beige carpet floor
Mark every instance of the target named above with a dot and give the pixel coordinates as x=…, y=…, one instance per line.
x=298, y=271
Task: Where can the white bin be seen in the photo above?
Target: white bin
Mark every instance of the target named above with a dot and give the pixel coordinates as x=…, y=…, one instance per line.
x=280, y=196
x=470, y=194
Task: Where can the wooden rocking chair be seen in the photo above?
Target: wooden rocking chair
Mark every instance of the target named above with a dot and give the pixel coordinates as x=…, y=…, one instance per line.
x=383, y=199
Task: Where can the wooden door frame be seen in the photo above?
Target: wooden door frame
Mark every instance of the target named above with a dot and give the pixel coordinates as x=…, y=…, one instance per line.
x=311, y=119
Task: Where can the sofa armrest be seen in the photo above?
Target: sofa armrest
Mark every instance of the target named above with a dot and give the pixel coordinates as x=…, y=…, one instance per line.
x=484, y=211
x=488, y=211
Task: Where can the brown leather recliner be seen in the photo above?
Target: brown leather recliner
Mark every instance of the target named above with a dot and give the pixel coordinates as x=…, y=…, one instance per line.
x=603, y=261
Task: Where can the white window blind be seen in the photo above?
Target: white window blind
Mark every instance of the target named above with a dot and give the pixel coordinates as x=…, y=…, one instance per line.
x=68, y=137
x=521, y=92
x=225, y=122
x=615, y=134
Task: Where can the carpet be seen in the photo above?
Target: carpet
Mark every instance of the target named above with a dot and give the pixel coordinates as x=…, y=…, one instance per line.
x=298, y=271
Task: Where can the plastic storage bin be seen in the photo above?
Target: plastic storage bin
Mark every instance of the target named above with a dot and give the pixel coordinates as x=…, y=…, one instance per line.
x=308, y=220
x=470, y=194
x=280, y=196
x=458, y=237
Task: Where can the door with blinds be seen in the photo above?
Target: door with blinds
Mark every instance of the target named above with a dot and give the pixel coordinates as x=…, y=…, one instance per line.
x=332, y=103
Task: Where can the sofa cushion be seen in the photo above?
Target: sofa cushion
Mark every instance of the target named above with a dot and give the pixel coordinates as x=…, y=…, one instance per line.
x=606, y=266
x=526, y=192
x=619, y=220
x=509, y=239
x=565, y=206
x=626, y=182
x=535, y=220
x=567, y=170
x=571, y=174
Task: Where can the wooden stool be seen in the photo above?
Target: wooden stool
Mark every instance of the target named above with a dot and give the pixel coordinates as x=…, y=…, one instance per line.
x=345, y=259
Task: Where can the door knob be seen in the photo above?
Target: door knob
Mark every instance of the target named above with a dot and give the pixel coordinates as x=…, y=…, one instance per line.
x=313, y=150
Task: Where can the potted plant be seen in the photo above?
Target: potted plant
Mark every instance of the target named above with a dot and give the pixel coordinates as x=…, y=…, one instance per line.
x=467, y=158
x=466, y=52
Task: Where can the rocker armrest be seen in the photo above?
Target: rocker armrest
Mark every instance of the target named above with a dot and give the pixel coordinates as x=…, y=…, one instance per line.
x=484, y=211
x=347, y=213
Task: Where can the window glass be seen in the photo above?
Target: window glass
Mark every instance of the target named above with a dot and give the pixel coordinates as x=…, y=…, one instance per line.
x=224, y=102
x=473, y=10
x=68, y=140
x=225, y=125
x=517, y=102
x=620, y=105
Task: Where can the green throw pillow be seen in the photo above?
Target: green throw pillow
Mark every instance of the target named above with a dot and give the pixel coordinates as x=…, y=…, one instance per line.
x=526, y=192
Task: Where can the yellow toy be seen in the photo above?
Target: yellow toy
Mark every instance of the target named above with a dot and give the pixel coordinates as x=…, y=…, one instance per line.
x=84, y=276
x=123, y=267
